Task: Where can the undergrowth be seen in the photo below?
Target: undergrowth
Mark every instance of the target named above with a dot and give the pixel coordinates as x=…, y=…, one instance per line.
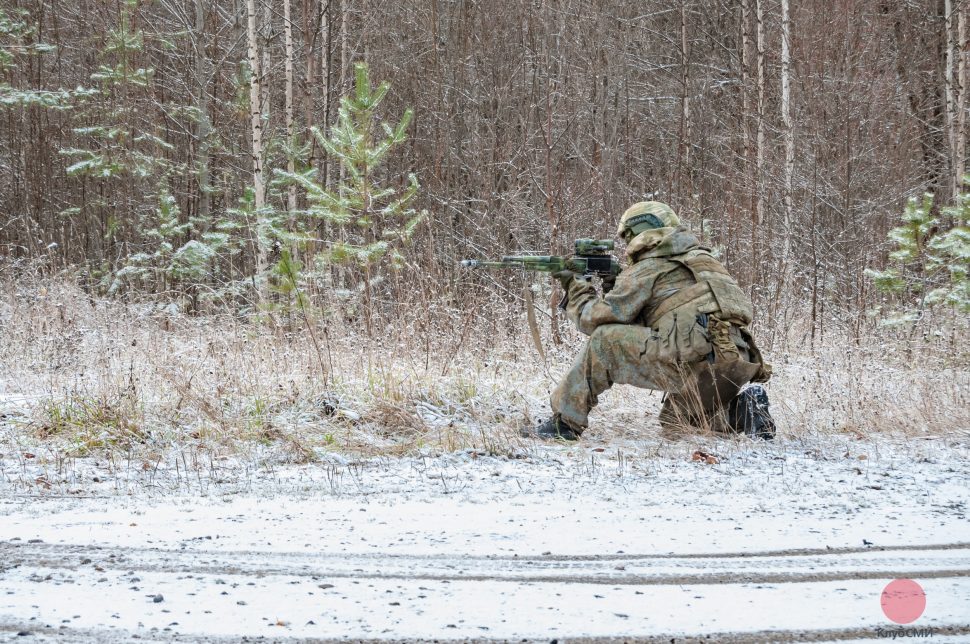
x=83, y=376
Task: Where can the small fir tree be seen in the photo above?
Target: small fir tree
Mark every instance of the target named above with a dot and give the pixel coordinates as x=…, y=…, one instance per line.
x=375, y=220
x=928, y=267
x=18, y=41
x=165, y=263
x=119, y=144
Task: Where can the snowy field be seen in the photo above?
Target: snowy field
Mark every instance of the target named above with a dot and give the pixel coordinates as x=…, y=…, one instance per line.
x=792, y=541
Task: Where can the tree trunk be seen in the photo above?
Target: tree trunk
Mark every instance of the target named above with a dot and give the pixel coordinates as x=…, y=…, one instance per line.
x=256, y=126
x=750, y=189
x=202, y=105
x=961, y=135
x=290, y=129
x=788, y=222
x=267, y=37
x=310, y=26
x=758, y=228
x=950, y=93
x=684, y=188
x=344, y=58
x=760, y=155
x=326, y=33
x=546, y=60
x=344, y=43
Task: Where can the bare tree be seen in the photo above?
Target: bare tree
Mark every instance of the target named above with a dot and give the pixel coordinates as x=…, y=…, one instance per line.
x=326, y=56
x=288, y=109
x=961, y=130
x=760, y=154
x=684, y=186
x=344, y=57
x=256, y=125
x=750, y=181
x=789, y=130
x=202, y=106
x=950, y=91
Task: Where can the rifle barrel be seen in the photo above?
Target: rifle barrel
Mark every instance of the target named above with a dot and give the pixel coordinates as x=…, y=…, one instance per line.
x=477, y=263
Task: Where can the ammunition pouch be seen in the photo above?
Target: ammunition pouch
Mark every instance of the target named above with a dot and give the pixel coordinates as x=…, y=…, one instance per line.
x=681, y=337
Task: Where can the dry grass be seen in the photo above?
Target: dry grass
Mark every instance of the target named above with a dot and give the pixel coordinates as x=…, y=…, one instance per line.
x=105, y=376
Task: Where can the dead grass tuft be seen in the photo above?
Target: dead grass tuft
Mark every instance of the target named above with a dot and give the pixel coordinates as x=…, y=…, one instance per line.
x=84, y=425
x=395, y=419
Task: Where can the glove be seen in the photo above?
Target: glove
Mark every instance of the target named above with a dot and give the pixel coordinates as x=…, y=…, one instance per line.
x=565, y=278
x=608, y=284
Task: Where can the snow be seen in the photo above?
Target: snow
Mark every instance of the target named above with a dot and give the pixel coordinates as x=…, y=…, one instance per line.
x=297, y=606
x=559, y=541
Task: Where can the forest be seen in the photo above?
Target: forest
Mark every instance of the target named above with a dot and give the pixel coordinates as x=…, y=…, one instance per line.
x=315, y=170
x=262, y=377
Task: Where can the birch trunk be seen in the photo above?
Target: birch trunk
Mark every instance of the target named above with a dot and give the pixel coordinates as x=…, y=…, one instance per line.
x=267, y=37
x=256, y=123
x=788, y=126
x=760, y=155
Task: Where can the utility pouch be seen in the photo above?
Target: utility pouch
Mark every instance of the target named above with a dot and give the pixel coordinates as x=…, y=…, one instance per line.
x=721, y=377
x=731, y=300
x=682, y=338
x=724, y=347
x=764, y=369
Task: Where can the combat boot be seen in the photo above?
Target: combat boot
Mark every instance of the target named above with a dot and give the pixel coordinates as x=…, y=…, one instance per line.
x=748, y=413
x=552, y=429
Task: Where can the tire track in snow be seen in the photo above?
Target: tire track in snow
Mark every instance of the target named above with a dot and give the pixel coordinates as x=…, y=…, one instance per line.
x=925, y=562
x=943, y=635
x=88, y=593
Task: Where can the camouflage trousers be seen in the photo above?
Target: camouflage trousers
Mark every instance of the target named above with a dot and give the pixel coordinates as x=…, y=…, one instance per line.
x=632, y=355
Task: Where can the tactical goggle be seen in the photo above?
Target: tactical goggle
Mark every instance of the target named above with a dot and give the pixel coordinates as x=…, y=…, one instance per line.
x=652, y=220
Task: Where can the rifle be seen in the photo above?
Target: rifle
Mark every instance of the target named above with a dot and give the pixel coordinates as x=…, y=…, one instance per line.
x=591, y=258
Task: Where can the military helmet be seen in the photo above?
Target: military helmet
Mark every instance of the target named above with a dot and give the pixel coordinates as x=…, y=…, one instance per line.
x=646, y=215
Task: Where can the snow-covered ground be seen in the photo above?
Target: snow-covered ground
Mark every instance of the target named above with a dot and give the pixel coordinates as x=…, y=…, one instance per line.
x=780, y=542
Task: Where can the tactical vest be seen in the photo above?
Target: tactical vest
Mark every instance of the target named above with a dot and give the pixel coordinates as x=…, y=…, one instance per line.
x=714, y=292
x=724, y=339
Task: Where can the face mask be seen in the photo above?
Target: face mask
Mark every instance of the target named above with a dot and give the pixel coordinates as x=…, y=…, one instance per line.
x=647, y=240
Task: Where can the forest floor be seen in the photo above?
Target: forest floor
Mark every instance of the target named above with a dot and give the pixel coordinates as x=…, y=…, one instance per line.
x=174, y=478
x=789, y=541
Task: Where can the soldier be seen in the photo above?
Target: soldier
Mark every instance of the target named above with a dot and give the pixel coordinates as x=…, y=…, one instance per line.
x=675, y=321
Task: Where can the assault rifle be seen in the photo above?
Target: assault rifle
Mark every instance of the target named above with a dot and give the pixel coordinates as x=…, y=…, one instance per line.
x=591, y=258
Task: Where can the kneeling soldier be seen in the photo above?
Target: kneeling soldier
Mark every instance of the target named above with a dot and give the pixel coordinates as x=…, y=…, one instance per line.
x=675, y=321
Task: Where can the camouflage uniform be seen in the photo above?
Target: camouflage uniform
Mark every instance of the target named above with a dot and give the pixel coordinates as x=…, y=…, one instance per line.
x=675, y=321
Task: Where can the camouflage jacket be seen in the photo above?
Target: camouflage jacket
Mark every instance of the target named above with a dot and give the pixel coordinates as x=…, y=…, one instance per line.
x=666, y=264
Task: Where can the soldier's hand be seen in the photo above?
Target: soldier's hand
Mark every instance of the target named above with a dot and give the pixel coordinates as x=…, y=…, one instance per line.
x=608, y=284
x=565, y=278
